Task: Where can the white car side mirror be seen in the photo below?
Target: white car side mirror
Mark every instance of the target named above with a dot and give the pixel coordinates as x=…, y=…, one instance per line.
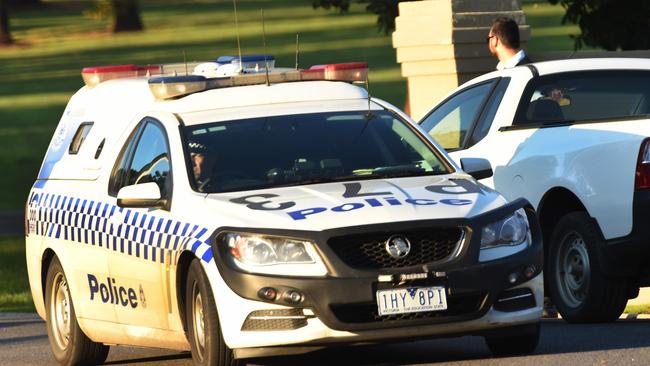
x=141, y=195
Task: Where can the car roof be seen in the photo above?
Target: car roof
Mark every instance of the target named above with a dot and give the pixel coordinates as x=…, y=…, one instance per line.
x=589, y=64
x=113, y=106
x=121, y=100
x=561, y=66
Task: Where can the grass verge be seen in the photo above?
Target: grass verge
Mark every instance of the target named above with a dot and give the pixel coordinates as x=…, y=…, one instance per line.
x=15, y=295
x=638, y=309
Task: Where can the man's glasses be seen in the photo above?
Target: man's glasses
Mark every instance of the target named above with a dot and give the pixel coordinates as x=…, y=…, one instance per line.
x=487, y=39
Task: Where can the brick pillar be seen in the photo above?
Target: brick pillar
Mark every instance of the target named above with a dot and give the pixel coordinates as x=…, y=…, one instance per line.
x=440, y=44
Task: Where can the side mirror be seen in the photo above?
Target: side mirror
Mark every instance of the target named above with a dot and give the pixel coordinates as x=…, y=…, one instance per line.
x=141, y=195
x=476, y=167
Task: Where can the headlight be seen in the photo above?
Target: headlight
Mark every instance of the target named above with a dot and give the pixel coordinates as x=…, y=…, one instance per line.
x=505, y=237
x=274, y=255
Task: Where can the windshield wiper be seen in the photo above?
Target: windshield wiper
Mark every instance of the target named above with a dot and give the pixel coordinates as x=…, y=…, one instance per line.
x=316, y=180
x=384, y=173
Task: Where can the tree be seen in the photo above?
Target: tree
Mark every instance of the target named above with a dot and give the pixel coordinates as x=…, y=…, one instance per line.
x=386, y=10
x=5, y=34
x=126, y=16
x=610, y=24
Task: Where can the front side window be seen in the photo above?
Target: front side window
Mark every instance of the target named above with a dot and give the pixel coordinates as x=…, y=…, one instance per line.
x=144, y=159
x=306, y=148
x=449, y=123
x=585, y=96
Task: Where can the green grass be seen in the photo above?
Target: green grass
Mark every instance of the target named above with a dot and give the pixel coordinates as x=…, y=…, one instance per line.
x=638, y=309
x=547, y=31
x=14, y=285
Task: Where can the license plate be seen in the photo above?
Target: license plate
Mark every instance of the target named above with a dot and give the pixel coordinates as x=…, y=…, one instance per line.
x=411, y=300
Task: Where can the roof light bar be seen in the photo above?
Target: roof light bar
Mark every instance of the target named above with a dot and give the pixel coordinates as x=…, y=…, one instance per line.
x=175, y=86
x=249, y=61
x=168, y=87
x=349, y=71
x=95, y=75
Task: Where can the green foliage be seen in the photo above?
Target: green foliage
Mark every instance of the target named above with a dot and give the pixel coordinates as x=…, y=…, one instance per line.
x=610, y=24
x=386, y=10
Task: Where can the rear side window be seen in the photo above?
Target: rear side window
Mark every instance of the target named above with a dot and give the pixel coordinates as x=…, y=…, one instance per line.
x=144, y=159
x=79, y=137
x=585, y=96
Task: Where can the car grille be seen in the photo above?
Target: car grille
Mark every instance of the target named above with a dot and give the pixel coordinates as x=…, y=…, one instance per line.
x=368, y=313
x=368, y=250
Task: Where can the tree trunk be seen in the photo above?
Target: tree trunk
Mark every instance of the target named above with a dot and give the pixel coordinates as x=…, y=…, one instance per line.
x=5, y=34
x=126, y=16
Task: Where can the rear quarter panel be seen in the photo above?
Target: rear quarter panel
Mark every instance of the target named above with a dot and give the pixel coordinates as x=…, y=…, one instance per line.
x=595, y=161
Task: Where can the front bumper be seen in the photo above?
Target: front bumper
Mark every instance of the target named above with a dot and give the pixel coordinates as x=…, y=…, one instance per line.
x=344, y=305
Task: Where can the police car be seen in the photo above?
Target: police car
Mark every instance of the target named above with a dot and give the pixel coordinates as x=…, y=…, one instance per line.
x=239, y=210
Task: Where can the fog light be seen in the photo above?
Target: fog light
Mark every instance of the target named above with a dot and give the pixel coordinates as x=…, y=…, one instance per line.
x=512, y=278
x=293, y=296
x=529, y=271
x=267, y=293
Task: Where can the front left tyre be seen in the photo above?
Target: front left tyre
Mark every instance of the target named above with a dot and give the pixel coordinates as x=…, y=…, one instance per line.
x=203, y=328
x=68, y=342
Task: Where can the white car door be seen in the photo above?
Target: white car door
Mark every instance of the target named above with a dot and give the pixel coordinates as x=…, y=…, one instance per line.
x=140, y=265
x=469, y=124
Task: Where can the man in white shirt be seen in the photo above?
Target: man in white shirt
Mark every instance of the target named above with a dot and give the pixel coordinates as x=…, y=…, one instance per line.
x=503, y=42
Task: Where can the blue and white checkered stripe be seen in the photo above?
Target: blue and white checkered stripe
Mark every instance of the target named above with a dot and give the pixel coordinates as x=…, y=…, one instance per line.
x=143, y=235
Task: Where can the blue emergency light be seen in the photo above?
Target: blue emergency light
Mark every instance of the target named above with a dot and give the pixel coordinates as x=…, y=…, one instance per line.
x=245, y=58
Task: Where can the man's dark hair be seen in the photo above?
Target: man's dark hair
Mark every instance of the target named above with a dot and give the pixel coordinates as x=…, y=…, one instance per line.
x=507, y=30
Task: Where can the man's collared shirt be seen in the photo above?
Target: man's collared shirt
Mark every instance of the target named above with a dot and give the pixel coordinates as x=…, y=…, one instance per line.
x=512, y=61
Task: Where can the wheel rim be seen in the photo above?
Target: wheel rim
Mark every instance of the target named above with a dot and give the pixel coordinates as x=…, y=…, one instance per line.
x=198, y=320
x=60, y=321
x=573, y=269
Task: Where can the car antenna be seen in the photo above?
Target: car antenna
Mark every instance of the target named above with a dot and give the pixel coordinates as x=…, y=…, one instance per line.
x=266, y=63
x=241, y=66
x=297, y=50
x=369, y=115
x=185, y=61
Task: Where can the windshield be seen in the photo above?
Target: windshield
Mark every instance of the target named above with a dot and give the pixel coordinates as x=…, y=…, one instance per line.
x=305, y=148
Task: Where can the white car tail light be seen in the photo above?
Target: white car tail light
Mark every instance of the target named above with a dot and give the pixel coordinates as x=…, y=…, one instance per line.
x=642, y=180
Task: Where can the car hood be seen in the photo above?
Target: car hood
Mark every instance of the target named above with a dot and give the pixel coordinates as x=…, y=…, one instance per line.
x=352, y=203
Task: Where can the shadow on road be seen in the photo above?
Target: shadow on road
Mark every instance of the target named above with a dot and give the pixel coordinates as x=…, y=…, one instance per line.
x=19, y=323
x=557, y=337
x=5, y=341
x=155, y=359
x=560, y=337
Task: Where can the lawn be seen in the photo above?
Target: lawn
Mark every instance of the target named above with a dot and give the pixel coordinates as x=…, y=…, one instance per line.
x=43, y=71
x=14, y=285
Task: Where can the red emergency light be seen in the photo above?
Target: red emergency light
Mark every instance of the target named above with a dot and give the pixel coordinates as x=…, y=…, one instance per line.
x=349, y=71
x=95, y=75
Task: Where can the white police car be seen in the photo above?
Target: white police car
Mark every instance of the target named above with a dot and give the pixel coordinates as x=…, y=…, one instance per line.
x=265, y=213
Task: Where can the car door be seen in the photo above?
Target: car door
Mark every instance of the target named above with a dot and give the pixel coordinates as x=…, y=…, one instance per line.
x=467, y=123
x=140, y=260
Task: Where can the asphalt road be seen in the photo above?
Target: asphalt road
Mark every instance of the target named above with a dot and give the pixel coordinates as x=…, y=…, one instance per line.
x=23, y=341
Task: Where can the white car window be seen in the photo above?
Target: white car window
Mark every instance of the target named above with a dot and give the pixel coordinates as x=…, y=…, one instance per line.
x=144, y=159
x=585, y=96
x=450, y=122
